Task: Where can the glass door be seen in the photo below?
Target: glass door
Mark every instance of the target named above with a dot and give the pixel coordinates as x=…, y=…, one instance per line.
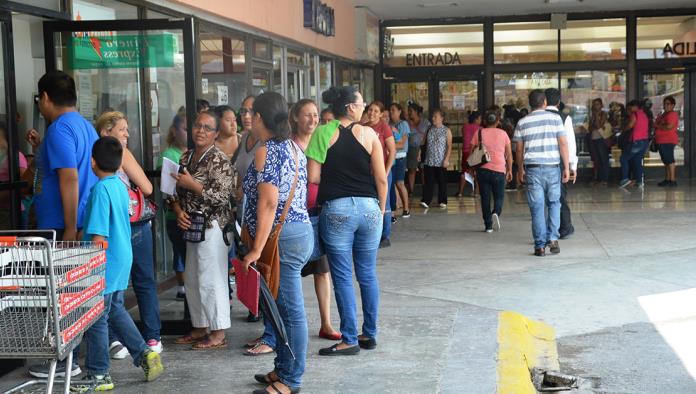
x=458, y=99
x=415, y=91
x=656, y=87
x=143, y=68
x=260, y=80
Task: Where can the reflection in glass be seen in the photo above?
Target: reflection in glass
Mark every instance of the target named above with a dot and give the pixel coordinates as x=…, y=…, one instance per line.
x=656, y=87
x=277, y=71
x=599, y=39
x=325, y=77
x=654, y=34
x=525, y=42
x=514, y=88
x=458, y=99
x=260, y=81
x=403, y=92
x=223, y=69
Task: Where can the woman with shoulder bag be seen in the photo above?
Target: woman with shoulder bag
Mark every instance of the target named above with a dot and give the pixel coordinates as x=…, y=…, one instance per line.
x=276, y=217
x=204, y=185
x=115, y=124
x=494, y=173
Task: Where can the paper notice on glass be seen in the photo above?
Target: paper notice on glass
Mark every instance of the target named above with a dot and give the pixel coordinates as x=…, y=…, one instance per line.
x=167, y=183
x=469, y=178
x=223, y=95
x=459, y=102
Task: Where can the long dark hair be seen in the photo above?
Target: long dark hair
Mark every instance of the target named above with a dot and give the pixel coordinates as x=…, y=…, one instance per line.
x=398, y=106
x=273, y=110
x=339, y=98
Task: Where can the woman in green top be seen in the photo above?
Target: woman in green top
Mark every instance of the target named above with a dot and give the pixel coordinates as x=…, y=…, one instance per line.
x=177, y=142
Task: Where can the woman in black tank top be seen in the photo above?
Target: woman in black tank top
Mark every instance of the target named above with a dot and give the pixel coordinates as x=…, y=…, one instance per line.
x=352, y=193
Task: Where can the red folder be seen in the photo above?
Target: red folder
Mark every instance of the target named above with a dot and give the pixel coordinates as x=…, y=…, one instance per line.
x=247, y=286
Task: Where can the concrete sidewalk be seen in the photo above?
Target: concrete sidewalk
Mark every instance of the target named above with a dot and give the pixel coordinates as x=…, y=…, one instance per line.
x=444, y=281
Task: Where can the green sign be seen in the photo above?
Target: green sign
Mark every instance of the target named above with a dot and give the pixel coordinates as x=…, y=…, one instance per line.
x=122, y=51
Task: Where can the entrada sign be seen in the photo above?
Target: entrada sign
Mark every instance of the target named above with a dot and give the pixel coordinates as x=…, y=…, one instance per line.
x=432, y=59
x=680, y=49
x=319, y=17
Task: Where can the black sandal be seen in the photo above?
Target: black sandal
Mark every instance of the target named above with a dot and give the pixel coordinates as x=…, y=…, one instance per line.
x=275, y=390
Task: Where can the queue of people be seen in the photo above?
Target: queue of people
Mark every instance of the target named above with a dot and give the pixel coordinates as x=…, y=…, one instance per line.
x=285, y=179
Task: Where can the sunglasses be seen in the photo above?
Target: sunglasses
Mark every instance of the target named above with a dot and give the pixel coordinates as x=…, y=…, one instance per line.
x=208, y=129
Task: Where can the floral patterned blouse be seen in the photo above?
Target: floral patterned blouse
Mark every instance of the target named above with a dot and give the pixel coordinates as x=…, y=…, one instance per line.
x=217, y=175
x=279, y=171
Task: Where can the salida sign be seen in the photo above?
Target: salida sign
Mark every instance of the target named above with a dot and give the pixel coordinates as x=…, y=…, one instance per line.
x=680, y=49
x=122, y=51
x=432, y=59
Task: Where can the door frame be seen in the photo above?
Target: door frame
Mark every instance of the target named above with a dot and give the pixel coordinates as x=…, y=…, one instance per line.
x=689, y=110
x=186, y=25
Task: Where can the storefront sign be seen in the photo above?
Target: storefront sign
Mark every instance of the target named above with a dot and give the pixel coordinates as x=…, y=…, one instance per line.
x=432, y=59
x=121, y=51
x=680, y=49
x=319, y=17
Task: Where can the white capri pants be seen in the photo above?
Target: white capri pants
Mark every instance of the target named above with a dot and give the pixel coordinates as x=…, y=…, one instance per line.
x=205, y=280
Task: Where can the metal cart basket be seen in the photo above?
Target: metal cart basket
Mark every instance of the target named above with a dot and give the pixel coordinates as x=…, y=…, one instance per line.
x=51, y=292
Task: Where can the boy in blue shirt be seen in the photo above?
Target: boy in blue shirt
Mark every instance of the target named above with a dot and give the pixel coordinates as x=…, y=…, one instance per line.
x=106, y=219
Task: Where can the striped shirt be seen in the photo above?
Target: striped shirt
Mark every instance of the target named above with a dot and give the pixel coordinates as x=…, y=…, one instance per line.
x=540, y=131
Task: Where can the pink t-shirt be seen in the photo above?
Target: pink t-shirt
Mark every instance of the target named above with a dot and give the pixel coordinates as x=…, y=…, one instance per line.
x=668, y=136
x=640, y=128
x=495, y=141
x=5, y=169
x=468, y=132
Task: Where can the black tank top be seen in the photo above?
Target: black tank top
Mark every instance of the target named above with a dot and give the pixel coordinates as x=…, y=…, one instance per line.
x=346, y=171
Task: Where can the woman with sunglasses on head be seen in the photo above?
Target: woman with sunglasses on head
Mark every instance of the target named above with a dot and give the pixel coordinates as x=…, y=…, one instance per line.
x=347, y=162
x=203, y=191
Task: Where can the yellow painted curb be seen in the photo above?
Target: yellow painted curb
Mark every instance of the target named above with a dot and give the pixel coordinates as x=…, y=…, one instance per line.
x=523, y=344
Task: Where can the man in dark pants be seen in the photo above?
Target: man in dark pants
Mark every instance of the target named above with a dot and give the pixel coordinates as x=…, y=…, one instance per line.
x=553, y=98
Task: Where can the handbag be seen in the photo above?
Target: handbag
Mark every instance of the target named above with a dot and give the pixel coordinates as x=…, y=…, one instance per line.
x=479, y=156
x=424, y=145
x=654, y=147
x=140, y=208
x=269, y=261
x=196, y=231
x=625, y=139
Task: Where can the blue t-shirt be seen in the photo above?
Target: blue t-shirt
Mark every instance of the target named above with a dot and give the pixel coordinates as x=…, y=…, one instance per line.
x=401, y=130
x=279, y=171
x=68, y=144
x=107, y=215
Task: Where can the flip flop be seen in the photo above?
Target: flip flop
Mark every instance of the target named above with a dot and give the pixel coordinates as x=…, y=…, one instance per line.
x=276, y=390
x=207, y=345
x=189, y=339
x=253, y=343
x=250, y=351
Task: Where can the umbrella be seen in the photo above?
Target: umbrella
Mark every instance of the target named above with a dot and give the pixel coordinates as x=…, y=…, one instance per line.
x=267, y=304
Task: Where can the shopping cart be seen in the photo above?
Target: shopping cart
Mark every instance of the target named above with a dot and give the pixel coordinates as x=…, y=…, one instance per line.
x=51, y=292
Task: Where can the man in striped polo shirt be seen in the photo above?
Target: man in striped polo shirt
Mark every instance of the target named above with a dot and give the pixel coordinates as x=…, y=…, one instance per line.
x=542, y=157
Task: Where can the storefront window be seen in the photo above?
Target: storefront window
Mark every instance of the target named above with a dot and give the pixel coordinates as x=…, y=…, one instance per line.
x=525, y=42
x=368, y=84
x=313, y=77
x=90, y=10
x=277, y=69
x=343, y=74
x=601, y=39
x=656, y=87
x=53, y=5
x=439, y=45
x=514, y=88
x=325, y=76
x=578, y=89
x=296, y=58
x=223, y=69
x=666, y=37
x=261, y=50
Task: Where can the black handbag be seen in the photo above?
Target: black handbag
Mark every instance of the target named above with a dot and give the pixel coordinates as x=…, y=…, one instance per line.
x=424, y=145
x=196, y=231
x=654, y=147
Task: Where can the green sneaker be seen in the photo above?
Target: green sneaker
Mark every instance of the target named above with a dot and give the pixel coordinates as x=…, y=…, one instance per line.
x=92, y=383
x=151, y=365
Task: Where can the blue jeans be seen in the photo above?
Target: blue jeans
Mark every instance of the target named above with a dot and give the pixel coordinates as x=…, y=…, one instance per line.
x=174, y=234
x=543, y=197
x=115, y=317
x=143, y=280
x=295, y=247
x=350, y=229
x=386, y=220
x=632, y=160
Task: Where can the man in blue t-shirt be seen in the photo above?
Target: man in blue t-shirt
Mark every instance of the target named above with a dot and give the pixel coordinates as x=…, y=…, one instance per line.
x=65, y=174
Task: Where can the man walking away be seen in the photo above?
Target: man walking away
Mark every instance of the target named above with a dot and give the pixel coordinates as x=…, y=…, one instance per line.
x=553, y=99
x=542, y=147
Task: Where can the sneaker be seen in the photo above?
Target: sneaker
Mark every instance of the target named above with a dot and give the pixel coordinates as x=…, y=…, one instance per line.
x=251, y=318
x=625, y=183
x=155, y=345
x=180, y=295
x=90, y=383
x=151, y=365
x=554, y=247
x=496, y=222
x=393, y=219
x=488, y=230
x=41, y=370
x=443, y=206
x=117, y=351
x=424, y=205
x=406, y=214
x=672, y=184
x=663, y=183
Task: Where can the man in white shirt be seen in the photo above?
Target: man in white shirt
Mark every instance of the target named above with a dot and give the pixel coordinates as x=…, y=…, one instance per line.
x=553, y=98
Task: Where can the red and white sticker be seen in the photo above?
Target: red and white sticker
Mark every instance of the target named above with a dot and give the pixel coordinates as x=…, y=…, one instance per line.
x=84, y=270
x=70, y=301
x=83, y=322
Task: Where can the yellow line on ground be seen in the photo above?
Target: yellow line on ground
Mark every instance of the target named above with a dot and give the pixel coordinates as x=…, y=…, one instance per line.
x=523, y=344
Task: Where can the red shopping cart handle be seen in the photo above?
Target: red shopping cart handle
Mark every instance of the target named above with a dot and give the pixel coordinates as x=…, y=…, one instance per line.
x=9, y=288
x=103, y=244
x=8, y=241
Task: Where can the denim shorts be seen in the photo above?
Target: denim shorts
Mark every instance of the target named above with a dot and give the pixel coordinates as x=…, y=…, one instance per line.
x=399, y=169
